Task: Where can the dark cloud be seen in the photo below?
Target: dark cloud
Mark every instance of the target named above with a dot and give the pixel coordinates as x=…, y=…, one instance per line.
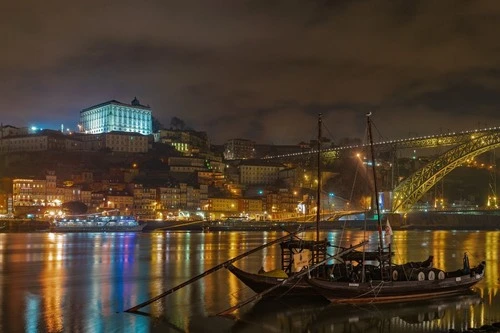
x=257, y=69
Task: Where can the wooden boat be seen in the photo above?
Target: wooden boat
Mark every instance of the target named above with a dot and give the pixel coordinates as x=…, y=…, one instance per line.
x=385, y=283
x=291, y=251
x=374, y=278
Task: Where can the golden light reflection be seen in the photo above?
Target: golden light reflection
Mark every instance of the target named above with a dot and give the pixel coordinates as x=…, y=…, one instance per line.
x=235, y=248
x=492, y=249
x=158, y=257
x=53, y=279
x=439, y=242
x=399, y=246
x=2, y=269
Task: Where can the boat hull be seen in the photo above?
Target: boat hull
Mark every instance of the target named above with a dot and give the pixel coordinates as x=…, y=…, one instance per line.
x=94, y=223
x=393, y=291
x=260, y=283
x=137, y=228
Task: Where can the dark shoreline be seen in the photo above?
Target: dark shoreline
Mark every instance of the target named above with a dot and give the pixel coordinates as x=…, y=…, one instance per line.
x=485, y=220
x=26, y=225
x=371, y=225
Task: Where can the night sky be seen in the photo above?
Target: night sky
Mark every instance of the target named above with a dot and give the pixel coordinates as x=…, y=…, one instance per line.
x=259, y=69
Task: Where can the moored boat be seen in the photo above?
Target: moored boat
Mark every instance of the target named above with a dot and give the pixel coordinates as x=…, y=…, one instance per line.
x=385, y=283
x=97, y=223
x=295, y=255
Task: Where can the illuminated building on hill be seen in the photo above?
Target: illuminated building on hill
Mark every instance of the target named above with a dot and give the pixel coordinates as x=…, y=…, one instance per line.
x=235, y=149
x=116, y=116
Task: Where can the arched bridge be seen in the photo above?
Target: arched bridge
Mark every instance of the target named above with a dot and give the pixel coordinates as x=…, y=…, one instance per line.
x=467, y=145
x=427, y=141
x=408, y=192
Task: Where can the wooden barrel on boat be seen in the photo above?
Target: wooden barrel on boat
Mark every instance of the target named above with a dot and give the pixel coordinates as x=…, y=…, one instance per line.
x=400, y=273
x=440, y=275
x=416, y=274
x=395, y=274
x=432, y=274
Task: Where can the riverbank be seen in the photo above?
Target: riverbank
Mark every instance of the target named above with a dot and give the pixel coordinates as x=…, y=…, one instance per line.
x=23, y=225
x=447, y=220
x=473, y=220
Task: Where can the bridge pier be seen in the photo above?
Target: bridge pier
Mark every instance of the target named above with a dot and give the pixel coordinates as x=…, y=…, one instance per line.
x=396, y=220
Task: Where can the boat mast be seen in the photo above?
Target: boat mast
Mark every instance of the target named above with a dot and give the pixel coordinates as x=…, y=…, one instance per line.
x=379, y=224
x=318, y=193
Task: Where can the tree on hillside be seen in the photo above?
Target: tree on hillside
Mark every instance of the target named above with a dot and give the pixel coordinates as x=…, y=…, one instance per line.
x=157, y=125
x=75, y=207
x=177, y=124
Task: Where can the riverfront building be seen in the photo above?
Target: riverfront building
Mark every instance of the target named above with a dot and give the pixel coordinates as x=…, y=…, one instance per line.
x=116, y=116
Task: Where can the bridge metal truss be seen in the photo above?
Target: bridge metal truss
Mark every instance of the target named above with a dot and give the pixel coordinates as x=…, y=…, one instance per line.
x=412, y=188
x=432, y=141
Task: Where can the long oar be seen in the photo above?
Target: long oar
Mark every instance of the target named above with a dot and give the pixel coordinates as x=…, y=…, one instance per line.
x=211, y=270
x=291, y=278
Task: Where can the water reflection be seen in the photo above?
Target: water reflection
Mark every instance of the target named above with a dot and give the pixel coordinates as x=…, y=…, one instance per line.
x=84, y=282
x=52, y=281
x=297, y=315
x=421, y=316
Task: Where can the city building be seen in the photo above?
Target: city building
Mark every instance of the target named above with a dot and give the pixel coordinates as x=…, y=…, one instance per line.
x=257, y=172
x=41, y=141
x=169, y=198
x=236, y=149
x=145, y=203
x=282, y=204
x=182, y=197
x=117, y=116
x=211, y=178
x=188, y=142
x=37, y=192
x=220, y=207
x=8, y=130
x=121, y=201
x=186, y=164
x=250, y=207
x=125, y=142
x=28, y=192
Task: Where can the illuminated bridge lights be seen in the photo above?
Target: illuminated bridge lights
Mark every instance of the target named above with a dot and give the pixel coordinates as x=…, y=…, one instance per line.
x=413, y=187
x=426, y=141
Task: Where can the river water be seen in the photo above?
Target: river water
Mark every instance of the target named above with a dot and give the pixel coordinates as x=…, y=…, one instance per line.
x=77, y=282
